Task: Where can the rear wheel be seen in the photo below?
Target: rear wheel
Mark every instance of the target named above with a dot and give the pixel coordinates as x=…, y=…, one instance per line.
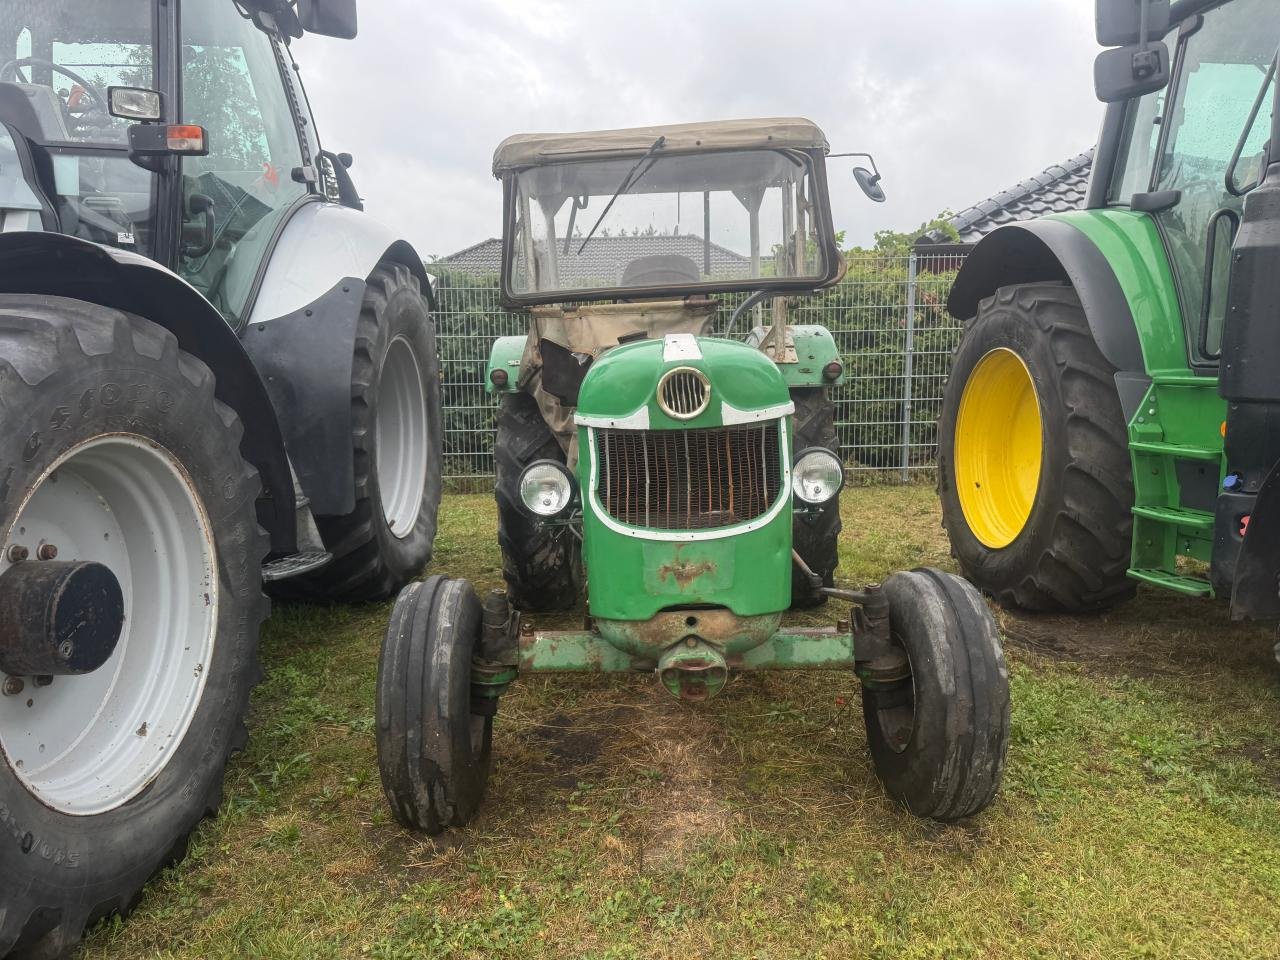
x=1033, y=459
x=396, y=442
x=118, y=454
x=541, y=564
x=816, y=529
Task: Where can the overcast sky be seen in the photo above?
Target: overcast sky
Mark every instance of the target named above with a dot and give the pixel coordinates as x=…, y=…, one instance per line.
x=957, y=99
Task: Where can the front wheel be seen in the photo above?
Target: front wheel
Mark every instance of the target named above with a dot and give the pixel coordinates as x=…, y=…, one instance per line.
x=433, y=746
x=938, y=738
x=117, y=454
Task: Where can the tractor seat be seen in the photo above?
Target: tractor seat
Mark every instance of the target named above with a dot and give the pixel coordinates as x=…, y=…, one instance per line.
x=661, y=270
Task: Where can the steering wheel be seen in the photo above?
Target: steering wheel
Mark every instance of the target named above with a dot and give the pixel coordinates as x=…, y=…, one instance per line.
x=9, y=73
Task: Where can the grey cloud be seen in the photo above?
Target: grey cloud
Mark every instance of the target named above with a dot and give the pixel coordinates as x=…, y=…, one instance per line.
x=957, y=98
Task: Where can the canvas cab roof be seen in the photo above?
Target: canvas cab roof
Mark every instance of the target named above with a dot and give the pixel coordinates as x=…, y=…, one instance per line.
x=526, y=150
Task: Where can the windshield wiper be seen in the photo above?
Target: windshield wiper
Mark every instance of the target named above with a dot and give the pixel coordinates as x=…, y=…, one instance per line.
x=629, y=181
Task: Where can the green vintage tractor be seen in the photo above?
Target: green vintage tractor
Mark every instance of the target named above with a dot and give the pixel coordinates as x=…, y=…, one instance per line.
x=685, y=479
x=1113, y=412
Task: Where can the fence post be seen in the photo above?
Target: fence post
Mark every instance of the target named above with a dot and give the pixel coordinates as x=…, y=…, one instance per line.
x=912, y=273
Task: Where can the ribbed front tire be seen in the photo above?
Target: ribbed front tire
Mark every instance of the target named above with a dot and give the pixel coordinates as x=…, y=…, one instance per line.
x=1071, y=552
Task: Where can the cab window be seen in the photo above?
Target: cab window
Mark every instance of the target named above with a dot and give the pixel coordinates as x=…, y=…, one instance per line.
x=235, y=197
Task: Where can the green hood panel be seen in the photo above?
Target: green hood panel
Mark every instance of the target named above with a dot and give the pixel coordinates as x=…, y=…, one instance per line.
x=624, y=382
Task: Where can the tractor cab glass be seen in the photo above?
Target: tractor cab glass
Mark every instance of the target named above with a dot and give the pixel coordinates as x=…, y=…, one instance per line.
x=661, y=219
x=211, y=216
x=1201, y=144
x=57, y=60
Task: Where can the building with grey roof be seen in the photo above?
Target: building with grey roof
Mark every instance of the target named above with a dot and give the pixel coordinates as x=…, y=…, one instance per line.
x=1060, y=188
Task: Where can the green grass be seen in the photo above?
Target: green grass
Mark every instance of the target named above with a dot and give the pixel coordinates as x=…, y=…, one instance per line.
x=1140, y=815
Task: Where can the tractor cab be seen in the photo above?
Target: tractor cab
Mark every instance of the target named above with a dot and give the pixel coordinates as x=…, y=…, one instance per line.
x=687, y=210
x=93, y=143
x=615, y=235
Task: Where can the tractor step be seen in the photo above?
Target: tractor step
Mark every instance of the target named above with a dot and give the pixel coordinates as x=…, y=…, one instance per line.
x=1181, y=451
x=1184, y=380
x=294, y=565
x=1177, y=516
x=1187, y=586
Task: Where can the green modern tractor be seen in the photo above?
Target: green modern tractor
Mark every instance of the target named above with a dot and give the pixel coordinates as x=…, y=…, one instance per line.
x=1113, y=412
x=684, y=479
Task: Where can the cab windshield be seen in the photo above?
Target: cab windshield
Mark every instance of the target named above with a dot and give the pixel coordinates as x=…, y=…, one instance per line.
x=743, y=218
x=60, y=56
x=64, y=54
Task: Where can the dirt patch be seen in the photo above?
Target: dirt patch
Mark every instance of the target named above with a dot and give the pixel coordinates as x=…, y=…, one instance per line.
x=573, y=744
x=675, y=751
x=1155, y=635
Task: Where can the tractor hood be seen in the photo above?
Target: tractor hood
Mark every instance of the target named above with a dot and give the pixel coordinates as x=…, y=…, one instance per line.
x=682, y=382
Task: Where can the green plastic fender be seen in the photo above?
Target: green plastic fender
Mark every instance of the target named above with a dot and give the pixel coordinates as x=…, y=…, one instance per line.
x=815, y=348
x=504, y=355
x=1131, y=244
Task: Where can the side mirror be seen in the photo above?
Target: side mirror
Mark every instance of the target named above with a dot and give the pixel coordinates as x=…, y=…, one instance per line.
x=1119, y=22
x=870, y=184
x=1131, y=71
x=329, y=18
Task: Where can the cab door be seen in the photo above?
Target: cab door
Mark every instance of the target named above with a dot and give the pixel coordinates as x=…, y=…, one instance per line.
x=234, y=84
x=1213, y=138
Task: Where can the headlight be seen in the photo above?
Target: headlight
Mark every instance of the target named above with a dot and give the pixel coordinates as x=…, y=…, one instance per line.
x=817, y=475
x=546, y=488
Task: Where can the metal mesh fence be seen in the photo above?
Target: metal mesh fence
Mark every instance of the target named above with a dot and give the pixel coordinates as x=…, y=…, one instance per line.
x=888, y=317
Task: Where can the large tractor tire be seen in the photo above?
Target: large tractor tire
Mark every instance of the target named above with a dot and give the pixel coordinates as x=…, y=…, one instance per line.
x=387, y=539
x=542, y=564
x=1033, y=459
x=816, y=530
x=114, y=452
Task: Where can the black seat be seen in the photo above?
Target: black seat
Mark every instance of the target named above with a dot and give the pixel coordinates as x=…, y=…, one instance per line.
x=661, y=270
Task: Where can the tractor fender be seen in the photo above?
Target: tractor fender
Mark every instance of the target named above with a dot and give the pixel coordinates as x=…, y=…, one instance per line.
x=321, y=243
x=815, y=348
x=301, y=336
x=1035, y=251
x=505, y=355
x=57, y=265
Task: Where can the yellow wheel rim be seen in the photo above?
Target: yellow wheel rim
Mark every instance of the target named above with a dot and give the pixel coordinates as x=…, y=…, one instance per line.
x=998, y=448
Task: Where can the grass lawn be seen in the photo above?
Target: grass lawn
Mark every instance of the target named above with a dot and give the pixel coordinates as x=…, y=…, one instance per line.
x=1140, y=815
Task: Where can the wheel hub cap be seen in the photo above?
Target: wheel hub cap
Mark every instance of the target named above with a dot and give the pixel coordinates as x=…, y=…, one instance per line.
x=401, y=437
x=998, y=448
x=85, y=745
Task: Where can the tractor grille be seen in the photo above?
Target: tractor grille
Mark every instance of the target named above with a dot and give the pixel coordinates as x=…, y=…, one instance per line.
x=689, y=479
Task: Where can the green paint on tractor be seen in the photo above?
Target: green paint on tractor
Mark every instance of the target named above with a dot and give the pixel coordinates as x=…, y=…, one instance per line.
x=1178, y=425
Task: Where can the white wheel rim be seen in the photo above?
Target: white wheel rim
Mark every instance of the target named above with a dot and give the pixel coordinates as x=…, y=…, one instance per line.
x=401, y=437
x=89, y=744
